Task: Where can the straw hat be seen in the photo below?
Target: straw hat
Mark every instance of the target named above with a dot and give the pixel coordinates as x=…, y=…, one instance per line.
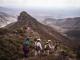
x=49, y=40
x=39, y=39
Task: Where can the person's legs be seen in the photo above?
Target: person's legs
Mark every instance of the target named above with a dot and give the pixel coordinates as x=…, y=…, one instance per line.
x=26, y=51
x=44, y=52
x=48, y=52
x=35, y=53
x=39, y=52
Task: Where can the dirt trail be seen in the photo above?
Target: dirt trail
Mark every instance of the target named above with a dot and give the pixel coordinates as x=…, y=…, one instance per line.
x=49, y=57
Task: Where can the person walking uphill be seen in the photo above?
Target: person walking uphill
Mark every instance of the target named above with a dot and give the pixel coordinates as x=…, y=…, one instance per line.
x=46, y=48
x=49, y=47
x=38, y=47
x=26, y=47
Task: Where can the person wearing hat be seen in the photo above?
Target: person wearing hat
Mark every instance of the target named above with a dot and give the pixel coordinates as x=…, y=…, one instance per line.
x=49, y=40
x=38, y=47
x=47, y=48
x=51, y=46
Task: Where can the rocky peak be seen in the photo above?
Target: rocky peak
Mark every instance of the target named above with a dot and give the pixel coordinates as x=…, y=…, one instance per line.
x=24, y=16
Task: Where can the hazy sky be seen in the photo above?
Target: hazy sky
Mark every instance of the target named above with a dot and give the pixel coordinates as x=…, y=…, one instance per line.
x=42, y=8
x=41, y=3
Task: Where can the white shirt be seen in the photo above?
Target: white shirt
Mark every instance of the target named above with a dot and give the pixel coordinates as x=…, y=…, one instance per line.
x=39, y=44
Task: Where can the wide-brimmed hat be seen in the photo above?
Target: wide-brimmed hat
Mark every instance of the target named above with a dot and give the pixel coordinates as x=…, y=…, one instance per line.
x=39, y=39
x=49, y=40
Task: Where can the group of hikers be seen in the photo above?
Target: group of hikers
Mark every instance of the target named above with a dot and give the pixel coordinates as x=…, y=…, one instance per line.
x=38, y=47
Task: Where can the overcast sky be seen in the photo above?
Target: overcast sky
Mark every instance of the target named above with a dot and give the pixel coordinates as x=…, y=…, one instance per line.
x=41, y=3
x=42, y=8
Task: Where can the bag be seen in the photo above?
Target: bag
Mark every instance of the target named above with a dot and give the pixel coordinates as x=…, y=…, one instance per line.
x=38, y=48
x=47, y=47
x=26, y=42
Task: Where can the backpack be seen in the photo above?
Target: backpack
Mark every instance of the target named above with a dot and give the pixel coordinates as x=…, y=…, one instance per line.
x=38, y=48
x=26, y=42
x=47, y=47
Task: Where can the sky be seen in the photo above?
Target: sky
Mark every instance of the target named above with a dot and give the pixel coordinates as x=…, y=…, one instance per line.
x=41, y=3
x=46, y=8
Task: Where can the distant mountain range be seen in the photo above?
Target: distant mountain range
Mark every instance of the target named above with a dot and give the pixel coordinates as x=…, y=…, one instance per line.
x=6, y=19
x=66, y=23
x=7, y=16
x=69, y=26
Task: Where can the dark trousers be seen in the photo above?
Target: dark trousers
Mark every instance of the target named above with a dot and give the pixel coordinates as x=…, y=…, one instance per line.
x=26, y=51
